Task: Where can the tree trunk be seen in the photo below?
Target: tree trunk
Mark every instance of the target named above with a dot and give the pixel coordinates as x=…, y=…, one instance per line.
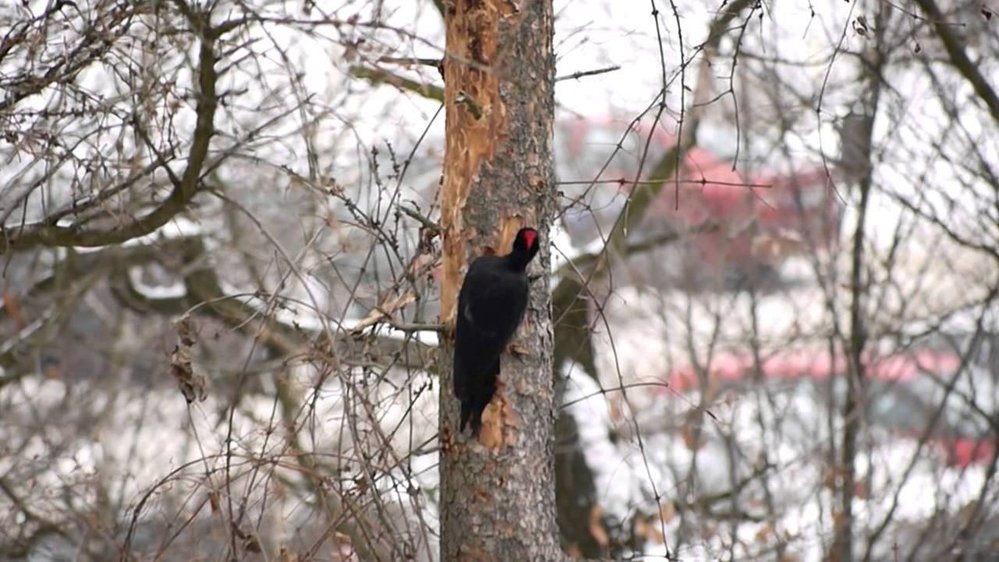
x=859, y=167
x=575, y=488
x=497, y=492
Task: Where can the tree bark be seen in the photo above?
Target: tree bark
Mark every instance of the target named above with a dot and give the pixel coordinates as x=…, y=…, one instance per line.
x=497, y=492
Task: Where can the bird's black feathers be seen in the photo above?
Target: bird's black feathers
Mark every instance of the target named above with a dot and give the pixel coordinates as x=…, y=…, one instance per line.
x=491, y=305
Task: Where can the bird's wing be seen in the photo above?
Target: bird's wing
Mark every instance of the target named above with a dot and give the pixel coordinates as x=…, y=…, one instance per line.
x=493, y=302
x=481, y=288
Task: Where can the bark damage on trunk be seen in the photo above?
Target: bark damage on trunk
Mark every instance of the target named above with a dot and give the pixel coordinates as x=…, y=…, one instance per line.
x=497, y=492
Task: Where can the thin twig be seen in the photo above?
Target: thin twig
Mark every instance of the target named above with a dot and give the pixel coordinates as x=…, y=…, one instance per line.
x=583, y=73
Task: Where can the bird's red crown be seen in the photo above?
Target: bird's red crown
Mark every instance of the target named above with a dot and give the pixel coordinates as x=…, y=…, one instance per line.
x=530, y=238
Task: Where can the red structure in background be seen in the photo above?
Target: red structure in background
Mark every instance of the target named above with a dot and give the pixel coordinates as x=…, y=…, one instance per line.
x=903, y=392
x=756, y=220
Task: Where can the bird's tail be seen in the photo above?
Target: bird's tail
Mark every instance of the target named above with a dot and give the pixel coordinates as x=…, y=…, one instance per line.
x=477, y=397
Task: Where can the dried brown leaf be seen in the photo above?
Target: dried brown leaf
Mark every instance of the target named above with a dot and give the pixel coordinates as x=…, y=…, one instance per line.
x=12, y=308
x=596, y=526
x=192, y=385
x=648, y=529
x=389, y=305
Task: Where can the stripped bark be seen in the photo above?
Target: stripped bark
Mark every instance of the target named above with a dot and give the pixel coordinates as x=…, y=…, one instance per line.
x=497, y=499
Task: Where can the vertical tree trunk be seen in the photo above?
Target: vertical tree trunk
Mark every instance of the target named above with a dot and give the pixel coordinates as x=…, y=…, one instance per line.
x=575, y=488
x=859, y=164
x=498, y=499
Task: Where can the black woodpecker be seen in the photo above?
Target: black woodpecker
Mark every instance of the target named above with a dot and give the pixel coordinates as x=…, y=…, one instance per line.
x=491, y=305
